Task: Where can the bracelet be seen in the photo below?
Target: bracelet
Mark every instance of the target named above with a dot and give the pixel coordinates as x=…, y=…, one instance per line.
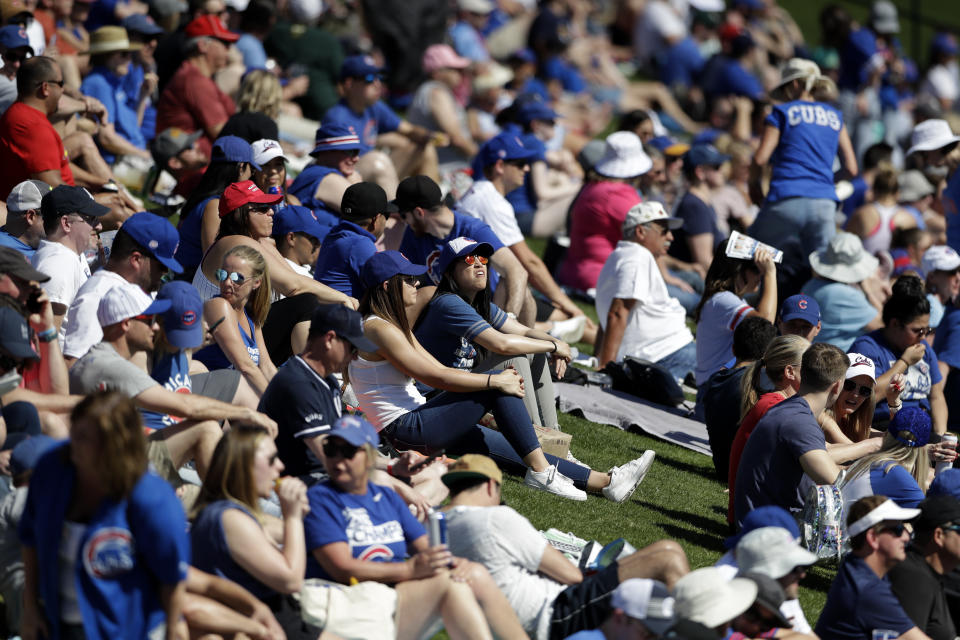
x=553, y=342
x=905, y=363
x=895, y=407
x=488, y=380
x=47, y=335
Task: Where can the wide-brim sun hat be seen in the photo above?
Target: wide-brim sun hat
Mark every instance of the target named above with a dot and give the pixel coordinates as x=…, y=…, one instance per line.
x=623, y=157
x=930, y=135
x=771, y=551
x=707, y=597
x=111, y=39
x=844, y=260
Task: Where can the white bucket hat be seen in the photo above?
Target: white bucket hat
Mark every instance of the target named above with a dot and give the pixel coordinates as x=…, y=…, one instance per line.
x=844, y=259
x=495, y=75
x=930, y=135
x=771, y=551
x=797, y=69
x=623, y=157
x=707, y=597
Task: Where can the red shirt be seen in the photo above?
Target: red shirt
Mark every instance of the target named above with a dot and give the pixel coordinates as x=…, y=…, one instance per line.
x=29, y=144
x=191, y=101
x=749, y=421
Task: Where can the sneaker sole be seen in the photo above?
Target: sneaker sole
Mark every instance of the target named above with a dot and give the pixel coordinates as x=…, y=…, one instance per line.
x=644, y=468
x=580, y=497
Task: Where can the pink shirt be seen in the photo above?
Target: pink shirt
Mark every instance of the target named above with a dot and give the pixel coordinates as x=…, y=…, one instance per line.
x=595, y=228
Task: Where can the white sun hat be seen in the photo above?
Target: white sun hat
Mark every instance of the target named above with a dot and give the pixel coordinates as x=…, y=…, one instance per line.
x=844, y=259
x=930, y=135
x=623, y=156
x=707, y=597
x=771, y=551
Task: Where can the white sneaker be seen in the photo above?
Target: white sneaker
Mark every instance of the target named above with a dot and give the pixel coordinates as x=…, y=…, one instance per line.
x=625, y=479
x=571, y=458
x=552, y=481
x=570, y=330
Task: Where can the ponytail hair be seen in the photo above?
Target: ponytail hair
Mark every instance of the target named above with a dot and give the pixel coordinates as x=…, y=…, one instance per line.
x=824, y=89
x=782, y=352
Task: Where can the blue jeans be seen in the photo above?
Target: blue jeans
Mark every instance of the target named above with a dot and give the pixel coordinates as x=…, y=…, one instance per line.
x=449, y=421
x=688, y=301
x=812, y=220
x=680, y=362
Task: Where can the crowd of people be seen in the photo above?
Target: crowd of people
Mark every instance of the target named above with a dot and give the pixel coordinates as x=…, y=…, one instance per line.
x=301, y=328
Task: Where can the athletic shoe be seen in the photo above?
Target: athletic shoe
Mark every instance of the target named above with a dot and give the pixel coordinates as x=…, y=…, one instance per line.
x=571, y=458
x=624, y=479
x=570, y=330
x=552, y=481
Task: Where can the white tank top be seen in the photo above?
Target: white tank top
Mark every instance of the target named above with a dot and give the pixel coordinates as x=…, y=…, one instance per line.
x=207, y=289
x=384, y=393
x=880, y=236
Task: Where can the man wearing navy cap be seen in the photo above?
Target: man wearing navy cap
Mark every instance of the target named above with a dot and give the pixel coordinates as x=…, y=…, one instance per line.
x=14, y=48
x=506, y=162
x=142, y=252
x=361, y=109
x=431, y=224
x=695, y=240
x=304, y=396
x=298, y=236
x=70, y=217
x=363, y=216
x=800, y=316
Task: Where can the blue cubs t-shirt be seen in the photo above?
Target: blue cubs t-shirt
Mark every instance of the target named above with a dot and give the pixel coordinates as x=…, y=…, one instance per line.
x=855, y=53
x=305, y=186
x=951, y=210
x=108, y=88
x=376, y=119
x=172, y=370
x=920, y=377
x=698, y=218
x=448, y=326
x=728, y=77
x=346, y=248
x=377, y=525
x=859, y=602
x=803, y=160
x=947, y=347
x=426, y=249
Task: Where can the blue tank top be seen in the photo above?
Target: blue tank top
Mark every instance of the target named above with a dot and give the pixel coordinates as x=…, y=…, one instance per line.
x=211, y=553
x=305, y=186
x=803, y=160
x=189, y=252
x=951, y=210
x=214, y=357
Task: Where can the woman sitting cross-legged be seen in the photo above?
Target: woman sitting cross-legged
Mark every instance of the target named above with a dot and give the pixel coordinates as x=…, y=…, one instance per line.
x=388, y=396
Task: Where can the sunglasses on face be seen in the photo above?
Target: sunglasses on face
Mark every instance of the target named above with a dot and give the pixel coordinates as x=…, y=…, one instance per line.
x=146, y=319
x=861, y=390
x=663, y=229
x=519, y=164
x=345, y=450
x=235, y=277
x=920, y=331
x=90, y=220
x=313, y=241
x=261, y=209
x=894, y=529
x=411, y=280
x=471, y=260
x=59, y=83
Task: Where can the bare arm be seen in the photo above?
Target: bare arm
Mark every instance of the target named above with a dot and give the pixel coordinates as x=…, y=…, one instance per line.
x=938, y=408
x=848, y=156
x=767, y=307
x=841, y=453
x=196, y=407
x=555, y=565
x=613, y=333
x=227, y=335
x=50, y=176
x=290, y=283
x=769, y=142
x=540, y=279
x=819, y=466
x=210, y=224
x=330, y=190
x=545, y=188
x=863, y=221
x=701, y=249
x=514, y=278
x=445, y=113
x=267, y=367
x=172, y=597
x=53, y=370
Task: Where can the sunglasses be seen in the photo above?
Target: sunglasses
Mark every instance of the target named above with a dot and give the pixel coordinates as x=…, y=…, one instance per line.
x=519, y=164
x=90, y=220
x=662, y=228
x=860, y=389
x=59, y=83
x=410, y=280
x=895, y=529
x=146, y=319
x=238, y=278
x=951, y=527
x=471, y=260
x=345, y=450
x=921, y=331
x=313, y=241
x=15, y=56
x=261, y=208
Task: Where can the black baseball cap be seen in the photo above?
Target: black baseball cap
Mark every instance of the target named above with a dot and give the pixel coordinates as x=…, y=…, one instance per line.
x=363, y=201
x=64, y=199
x=936, y=511
x=345, y=322
x=418, y=191
x=14, y=263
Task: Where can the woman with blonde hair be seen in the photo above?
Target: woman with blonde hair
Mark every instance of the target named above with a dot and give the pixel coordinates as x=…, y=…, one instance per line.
x=260, y=92
x=236, y=318
x=104, y=538
x=781, y=363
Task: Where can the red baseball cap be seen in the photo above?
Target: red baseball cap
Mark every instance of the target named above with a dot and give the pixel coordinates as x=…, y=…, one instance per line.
x=246, y=192
x=209, y=26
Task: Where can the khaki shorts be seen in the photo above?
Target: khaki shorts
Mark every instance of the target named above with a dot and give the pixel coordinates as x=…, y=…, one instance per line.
x=363, y=611
x=160, y=461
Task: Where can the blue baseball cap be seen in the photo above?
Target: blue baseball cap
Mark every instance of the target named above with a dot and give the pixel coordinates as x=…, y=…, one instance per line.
x=345, y=322
x=536, y=110
x=768, y=516
x=946, y=483
x=142, y=24
x=942, y=42
x=701, y=155
x=358, y=67
x=355, y=430
x=25, y=455
x=15, y=335
x=181, y=322
x=504, y=146
x=13, y=36
x=156, y=235
x=382, y=266
x=911, y=427
x=457, y=248
x=523, y=55
x=334, y=136
x=298, y=220
x=800, y=306
x=233, y=149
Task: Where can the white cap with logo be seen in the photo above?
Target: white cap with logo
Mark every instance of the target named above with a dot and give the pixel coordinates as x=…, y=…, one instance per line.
x=650, y=211
x=127, y=301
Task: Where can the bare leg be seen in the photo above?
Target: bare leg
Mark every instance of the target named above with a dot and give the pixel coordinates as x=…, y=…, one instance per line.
x=207, y=616
x=551, y=216
x=663, y=560
x=419, y=602
x=55, y=425
x=245, y=395
x=298, y=337
x=192, y=440
x=83, y=152
x=503, y=621
x=376, y=166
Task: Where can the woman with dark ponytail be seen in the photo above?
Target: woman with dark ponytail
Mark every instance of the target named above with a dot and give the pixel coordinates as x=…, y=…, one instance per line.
x=899, y=347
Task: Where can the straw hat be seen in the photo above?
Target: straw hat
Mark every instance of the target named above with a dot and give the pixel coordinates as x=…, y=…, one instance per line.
x=844, y=259
x=109, y=40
